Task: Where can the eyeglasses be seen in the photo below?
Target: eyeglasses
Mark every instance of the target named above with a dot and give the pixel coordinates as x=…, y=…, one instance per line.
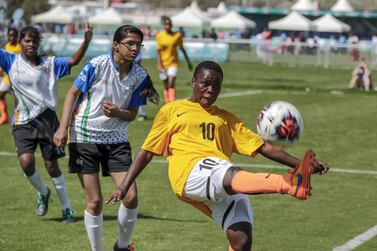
x=131, y=44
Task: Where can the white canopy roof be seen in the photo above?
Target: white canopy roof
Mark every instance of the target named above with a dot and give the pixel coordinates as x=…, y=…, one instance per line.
x=232, y=20
x=328, y=23
x=305, y=5
x=342, y=5
x=109, y=17
x=56, y=15
x=189, y=18
x=294, y=21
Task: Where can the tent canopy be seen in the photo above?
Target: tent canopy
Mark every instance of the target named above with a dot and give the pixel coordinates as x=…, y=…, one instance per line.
x=232, y=20
x=294, y=21
x=305, y=5
x=55, y=15
x=189, y=18
x=342, y=5
x=109, y=17
x=328, y=23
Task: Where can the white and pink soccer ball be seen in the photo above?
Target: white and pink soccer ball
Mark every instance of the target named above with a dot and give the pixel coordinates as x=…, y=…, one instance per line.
x=280, y=123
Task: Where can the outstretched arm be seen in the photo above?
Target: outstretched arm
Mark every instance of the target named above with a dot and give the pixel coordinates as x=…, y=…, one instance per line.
x=277, y=154
x=141, y=161
x=76, y=58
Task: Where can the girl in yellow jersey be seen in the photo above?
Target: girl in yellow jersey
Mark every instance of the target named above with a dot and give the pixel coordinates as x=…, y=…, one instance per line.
x=167, y=58
x=199, y=139
x=12, y=47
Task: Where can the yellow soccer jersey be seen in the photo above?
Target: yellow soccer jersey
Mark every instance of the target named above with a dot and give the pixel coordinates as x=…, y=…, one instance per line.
x=15, y=49
x=187, y=132
x=167, y=44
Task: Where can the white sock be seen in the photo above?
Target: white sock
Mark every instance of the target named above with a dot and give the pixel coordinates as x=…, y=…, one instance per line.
x=37, y=182
x=93, y=225
x=61, y=189
x=142, y=110
x=126, y=222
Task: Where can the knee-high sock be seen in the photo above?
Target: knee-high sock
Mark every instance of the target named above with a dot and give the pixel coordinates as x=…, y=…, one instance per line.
x=126, y=221
x=93, y=225
x=37, y=182
x=166, y=96
x=3, y=108
x=172, y=94
x=256, y=183
x=61, y=189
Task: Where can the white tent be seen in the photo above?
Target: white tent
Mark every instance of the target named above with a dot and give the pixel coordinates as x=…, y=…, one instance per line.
x=55, y=15
x=342, y=5
x=232, y=20
x=109, y=17
x=220, y=10
x=328, y=23
x=293, y=22
x=305, y=5
x=189, y=18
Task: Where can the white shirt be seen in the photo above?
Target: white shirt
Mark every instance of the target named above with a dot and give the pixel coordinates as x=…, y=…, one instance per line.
x=35, y=87
x=98, y=81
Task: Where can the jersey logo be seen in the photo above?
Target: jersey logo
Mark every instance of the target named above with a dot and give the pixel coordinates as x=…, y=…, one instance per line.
x=179, y=114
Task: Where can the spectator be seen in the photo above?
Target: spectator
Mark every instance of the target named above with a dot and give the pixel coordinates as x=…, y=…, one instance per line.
x=361, y=77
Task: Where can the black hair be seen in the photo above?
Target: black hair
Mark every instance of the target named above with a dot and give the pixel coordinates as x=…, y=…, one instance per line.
x=166, y=18
x=209, y=65
x=31, y=31
x=14, y=30
x=123, y=31
x=150, y=92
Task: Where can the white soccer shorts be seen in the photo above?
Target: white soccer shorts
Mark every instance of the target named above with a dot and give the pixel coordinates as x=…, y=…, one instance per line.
x=205, y=184
x=4, y=87
x=171, y=71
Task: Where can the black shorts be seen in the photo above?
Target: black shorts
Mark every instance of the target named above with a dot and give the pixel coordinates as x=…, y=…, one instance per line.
x=86, y=158
x=38, y=131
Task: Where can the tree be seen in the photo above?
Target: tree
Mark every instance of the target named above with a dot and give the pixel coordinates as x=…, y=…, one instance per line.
x=30, y=7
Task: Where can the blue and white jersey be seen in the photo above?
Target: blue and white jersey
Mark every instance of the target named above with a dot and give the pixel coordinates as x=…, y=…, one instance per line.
x=98, y=81
x=35, y=87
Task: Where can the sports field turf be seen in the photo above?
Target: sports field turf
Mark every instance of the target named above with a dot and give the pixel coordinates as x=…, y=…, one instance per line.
x=340, y=126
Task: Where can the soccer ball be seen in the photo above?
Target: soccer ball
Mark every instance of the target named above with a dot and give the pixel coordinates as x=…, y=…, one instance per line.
x=280, y=123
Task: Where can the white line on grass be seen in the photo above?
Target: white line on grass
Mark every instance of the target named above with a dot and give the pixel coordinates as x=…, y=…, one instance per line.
x=262, y=166
x=358, y=240
x=242, y=93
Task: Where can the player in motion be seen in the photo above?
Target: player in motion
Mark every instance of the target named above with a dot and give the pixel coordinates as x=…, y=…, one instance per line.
x=167, y=42
x=199, y=139
x=103, y=100
x=34, y=80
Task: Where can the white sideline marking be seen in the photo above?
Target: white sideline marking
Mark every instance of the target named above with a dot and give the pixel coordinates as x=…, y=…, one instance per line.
x=358, y=240
x=242, y=93
x=262, y=166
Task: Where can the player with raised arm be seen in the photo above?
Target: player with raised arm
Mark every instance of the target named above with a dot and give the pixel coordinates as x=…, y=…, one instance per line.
x=97, y=110
x=34, y=79
x=199, y=140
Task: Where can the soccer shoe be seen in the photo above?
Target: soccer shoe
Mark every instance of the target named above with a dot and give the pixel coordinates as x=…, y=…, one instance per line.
x=68, y=215
x=301, y=175
x=142, y=118
x=42, y=203
x=129, y=248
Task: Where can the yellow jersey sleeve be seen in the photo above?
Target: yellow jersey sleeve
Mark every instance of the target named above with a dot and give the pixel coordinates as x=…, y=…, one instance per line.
x=158, y=137
x=246, y=142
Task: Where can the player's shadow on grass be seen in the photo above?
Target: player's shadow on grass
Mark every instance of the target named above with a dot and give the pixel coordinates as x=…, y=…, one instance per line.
x=139, y=216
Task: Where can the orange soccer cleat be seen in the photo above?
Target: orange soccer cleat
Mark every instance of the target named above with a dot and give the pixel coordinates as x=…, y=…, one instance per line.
x=301, y=188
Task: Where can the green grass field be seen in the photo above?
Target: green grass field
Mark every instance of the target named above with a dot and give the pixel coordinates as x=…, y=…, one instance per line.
x=340, y=126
